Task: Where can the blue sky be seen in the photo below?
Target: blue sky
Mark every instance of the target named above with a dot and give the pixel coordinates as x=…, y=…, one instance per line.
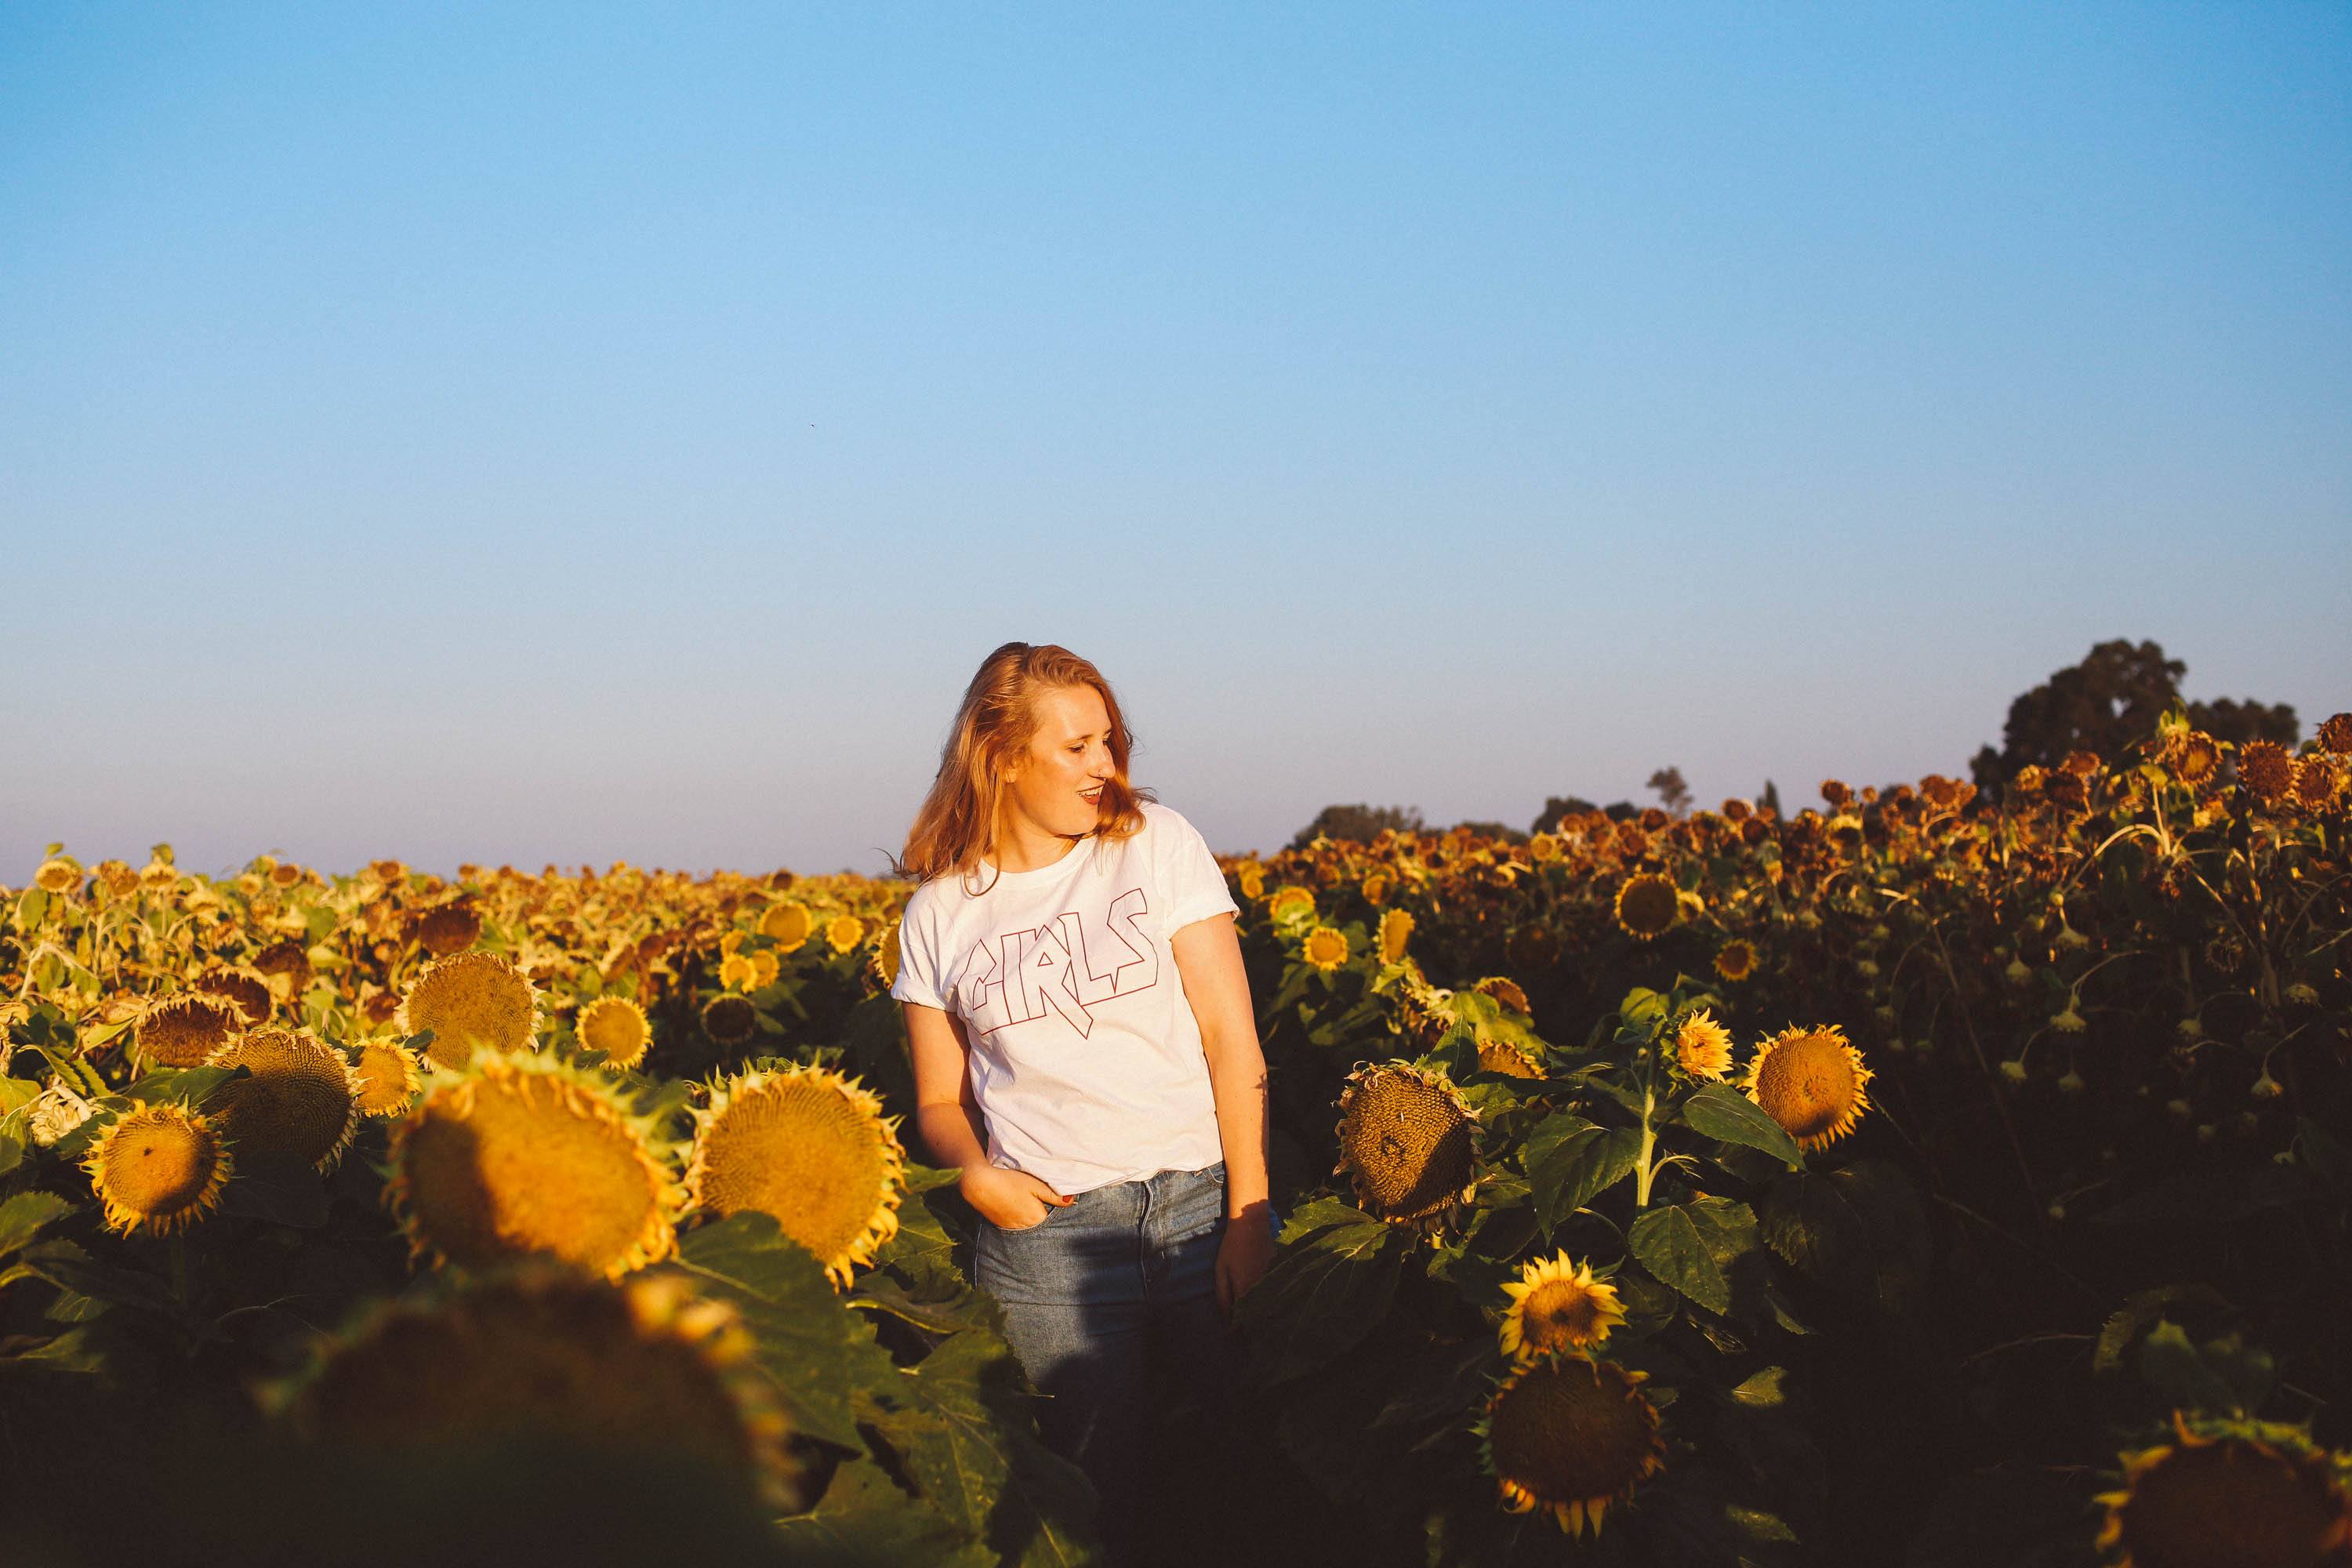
x=529, y=434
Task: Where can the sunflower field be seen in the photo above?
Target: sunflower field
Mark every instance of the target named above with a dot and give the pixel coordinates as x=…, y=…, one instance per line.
x=1938, y=1177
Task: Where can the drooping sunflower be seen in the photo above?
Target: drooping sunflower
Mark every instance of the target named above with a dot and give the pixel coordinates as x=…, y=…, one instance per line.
x=241, y=985
x=1557, y=1305
x=543, y=1354
x=809, y=1147
x=2226, y=1494
x=302, y=1101
x=1647, y=905
x=2316, y=779
x=450, y=928
x=729, y=1018
x=882, y=962
x=1570, y=1435
x=389, y=1081
x=2336, y=734
x=1734, y=961
x=617, y=1026
x=118, y=878
x=158, y=1168
x=1375, y=888
x=1812, y=1082
x=1506, y=991
x=788, y=924
x=1325, y=948
x=1407, y=1142
x=57, y=875
x=1293, y=903
x=2196, y=757
x=159, y=875
x=284, y=967
x=526, y=1154
x=471, y=1001
x=2265, y=771
x=181, y=1030
x=1703, y=1047
x=844, y=931
x=1396, y=929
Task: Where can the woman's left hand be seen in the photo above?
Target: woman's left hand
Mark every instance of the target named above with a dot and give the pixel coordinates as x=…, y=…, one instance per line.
x=1242, y=1256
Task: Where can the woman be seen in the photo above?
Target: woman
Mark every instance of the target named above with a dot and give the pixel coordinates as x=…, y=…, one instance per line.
x=1085, y=1055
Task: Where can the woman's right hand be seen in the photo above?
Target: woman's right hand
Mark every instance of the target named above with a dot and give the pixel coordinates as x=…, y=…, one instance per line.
x=1007, y=1198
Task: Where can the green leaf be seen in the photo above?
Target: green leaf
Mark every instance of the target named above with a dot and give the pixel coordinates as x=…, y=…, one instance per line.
x=813, y=1349
x=865, y=1521
x=185, y=1086
x=1721, y=1111
x=1668, y=1243
x=1859, y=1229
x=1763, y=1389
x=22, y=1216
x=1570, y=1162
x=1323, y=1294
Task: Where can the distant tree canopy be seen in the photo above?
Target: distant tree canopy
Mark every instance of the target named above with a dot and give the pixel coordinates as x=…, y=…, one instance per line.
x=1362, y=823
x=1674, y=794
x=1495, y=830
x=2109, y=700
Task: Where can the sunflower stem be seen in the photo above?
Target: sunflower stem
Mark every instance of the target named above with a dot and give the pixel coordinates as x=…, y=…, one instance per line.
x=1644, y=1172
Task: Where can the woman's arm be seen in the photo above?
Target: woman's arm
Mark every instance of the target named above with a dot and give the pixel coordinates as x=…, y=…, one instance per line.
x=1208, y=957
x=948, y=1120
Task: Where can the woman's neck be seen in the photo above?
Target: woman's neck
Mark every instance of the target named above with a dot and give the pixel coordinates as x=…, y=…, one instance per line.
x=1022, y=846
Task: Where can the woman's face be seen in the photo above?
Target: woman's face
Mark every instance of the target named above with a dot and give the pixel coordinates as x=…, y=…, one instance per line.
x=1056, y=782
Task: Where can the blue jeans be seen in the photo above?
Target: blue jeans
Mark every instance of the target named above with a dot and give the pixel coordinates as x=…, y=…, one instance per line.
x=1099, y=1296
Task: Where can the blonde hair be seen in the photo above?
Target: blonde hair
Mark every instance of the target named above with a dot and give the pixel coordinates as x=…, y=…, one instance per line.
x=996, y=721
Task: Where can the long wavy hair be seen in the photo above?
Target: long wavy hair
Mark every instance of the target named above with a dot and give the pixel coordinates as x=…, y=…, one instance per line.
x=998, y=718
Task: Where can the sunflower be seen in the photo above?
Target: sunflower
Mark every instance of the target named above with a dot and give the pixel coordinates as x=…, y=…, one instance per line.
x=1396, y=929
x=469, y=1001
x=449, y=928
x=1407, y=1142
x=1506, y=991
x=302, y=1101
x=844, y=931
x=57, y=875
x=811, y=1148
x=616, y=1026
x=1569, y=1435
x=284, y=967
x=158, y=1168
x=538, y=1353
x=288, y=875
x=2316, y=781
x=884, y=960
x=765, y=967
x=737, y=972
x=2260, y=1496
x=250, y=993
x=1811, y=1082
x=1556, y=1305
x=1290, y=904
x=389, y=1081
x=1325, y=948
x=524, y=1155
x=1734, y=961
x=1703, y=1047
x=2265, y=771
x=1647, y=905
x=1544, y=847
x=159, y=875
x=1252, y=877
x=181, y=1031
x=2196, y=757
x=118, y=879
x=2336, y=734
x=788, y=925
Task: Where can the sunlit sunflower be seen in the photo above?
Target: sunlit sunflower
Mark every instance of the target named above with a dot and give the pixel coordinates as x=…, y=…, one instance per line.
x=1647, y=905
x=2258, y=1497
x=2265, y=771
x=1292, y=903
x=883, y=960
x=1252, y=877
x=471, y=1001
x=1396, y=929
x=523, y=1154
x=1703, y=1047
x=159, y=875
x=389, y=1080
x=844, y=931
x=1811, y=1082
x=538, y=1353
x=1375, y=888
x=302, y=1100
x=2336, y=734
x=181, y=1030
x=616, y=1026
x=2196, y=758
x=1407, y=1142
x=1506, y=991
x=57, y=875
x=1325, y=948
x=765, y=967
x=249, y=992
x=1734, y=961
x=158, y=1168
x=1557, y=1305
x=788, y=924
x=736, y=972
x=1569, y=1435
x=811, y=1148
x=1544, y=847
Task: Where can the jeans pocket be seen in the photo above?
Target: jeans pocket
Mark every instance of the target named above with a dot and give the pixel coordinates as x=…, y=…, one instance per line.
x=1051, y=1210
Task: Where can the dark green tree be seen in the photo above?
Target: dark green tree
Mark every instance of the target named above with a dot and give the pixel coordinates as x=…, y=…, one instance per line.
x=1556, y=807
x=2111, y=699
x=2227, y=719
x=1673, y=793
x=1362, y=823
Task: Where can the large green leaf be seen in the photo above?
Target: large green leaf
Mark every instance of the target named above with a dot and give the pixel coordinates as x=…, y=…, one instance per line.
x=1859, y=1229
x=813, y=1349
x=865, y=1521
x=1667, y=1243
x=1721, y=1111
x=1570, y=1162
x=22, y=1216
x=1323, y=1293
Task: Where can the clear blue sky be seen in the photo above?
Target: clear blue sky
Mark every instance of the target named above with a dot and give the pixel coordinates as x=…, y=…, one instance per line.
x=562, y=434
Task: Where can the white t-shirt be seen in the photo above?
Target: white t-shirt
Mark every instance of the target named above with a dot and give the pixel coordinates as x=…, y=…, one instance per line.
x=1086, y=1058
